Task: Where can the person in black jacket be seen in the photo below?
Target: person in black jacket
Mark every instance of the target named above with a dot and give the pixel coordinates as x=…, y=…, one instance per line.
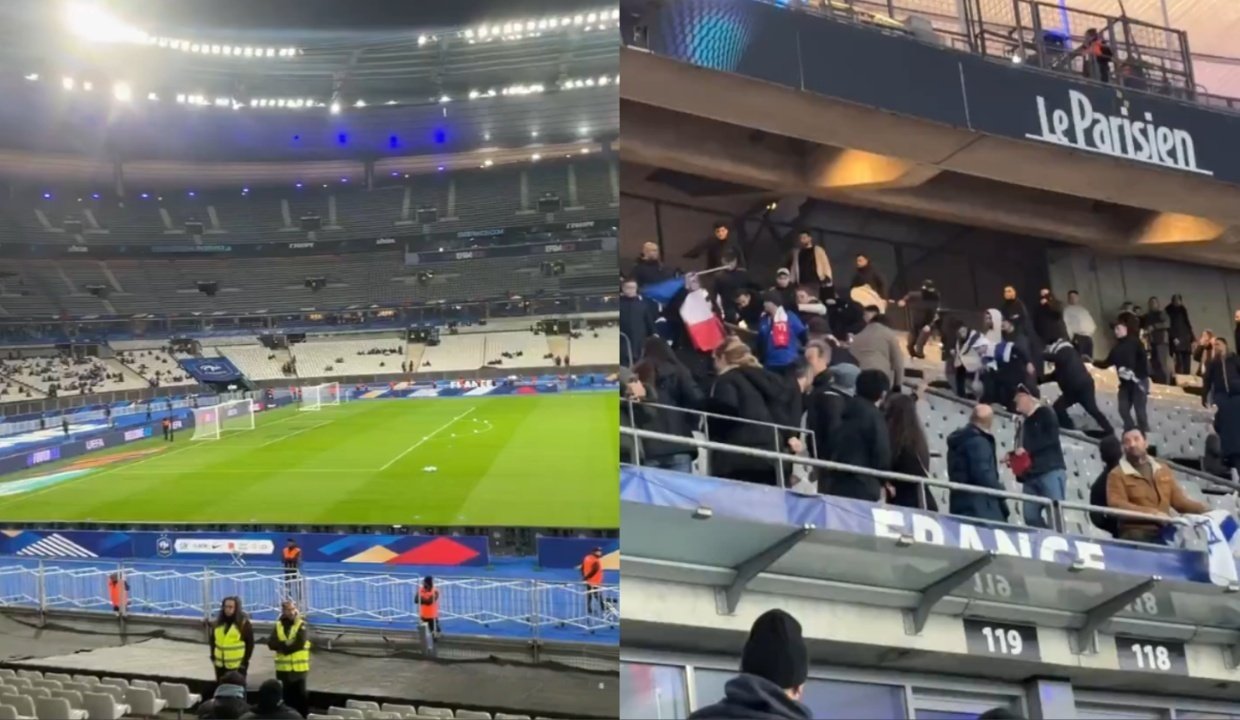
x=228, y=702
x=924, y=308
x=1157, y=335
x=271, y=705
x=867, y=274
x=1015, y=311
x=824, y=402
x=1110, y=451
x=1012, y=365
x=1227, y=414
x=1181, y=336
x=1127, y=356
x=1076, y=386
x=747, y=308
x=774, y=667
x=716, y=246
x=649, y=268
x=910, y=454
x=862, y=441
x=730, y=283
x=1222, y=375
x=971, y=460
x=664, y=381
x=747, y=392
x=1047, y=475
x=637, y=321
x=1048, y=318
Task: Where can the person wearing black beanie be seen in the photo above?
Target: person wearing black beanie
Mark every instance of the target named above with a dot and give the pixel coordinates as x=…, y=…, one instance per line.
x=774, y=666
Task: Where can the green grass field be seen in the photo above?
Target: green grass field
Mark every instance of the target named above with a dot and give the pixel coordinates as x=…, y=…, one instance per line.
x=531, y=461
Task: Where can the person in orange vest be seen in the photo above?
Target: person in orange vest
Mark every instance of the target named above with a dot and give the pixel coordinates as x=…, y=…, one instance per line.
x=118, y=593
x=592, y=574
x=1098, y=54
x=167, y=426
x=290, y=558
x=428, y=606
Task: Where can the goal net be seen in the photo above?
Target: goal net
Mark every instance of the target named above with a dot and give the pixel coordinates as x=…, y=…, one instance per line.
x=212, y=422
x=314, y=397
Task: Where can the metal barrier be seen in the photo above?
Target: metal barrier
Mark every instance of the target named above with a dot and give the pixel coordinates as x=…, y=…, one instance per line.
x=468, y=605
x=1056, y=508
x=811, y=441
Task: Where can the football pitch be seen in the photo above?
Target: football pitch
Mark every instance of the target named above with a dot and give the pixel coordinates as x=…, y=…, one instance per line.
x=527, y=460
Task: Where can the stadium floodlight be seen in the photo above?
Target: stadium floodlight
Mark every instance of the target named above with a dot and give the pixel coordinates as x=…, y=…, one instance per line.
x=88, y=85
x=153, y=97
x=421, y=40
x=359, y=104
x=536, y=157
x=335, y=107
x=210, y=423
x=122, y=92
x=444, y=99
x=314, y=397
x=32, y=77
x=91, y=21
x=68, y=83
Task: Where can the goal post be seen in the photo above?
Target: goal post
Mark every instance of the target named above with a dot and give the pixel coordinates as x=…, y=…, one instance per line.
x=210, y=423
x=314, y=397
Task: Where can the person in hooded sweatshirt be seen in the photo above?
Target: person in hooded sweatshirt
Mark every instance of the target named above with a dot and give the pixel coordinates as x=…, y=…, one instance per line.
x=270, y=705
x=1157, y=334
x=228, y=703
x=1181, y=332
x=1012, y=365
x=774, y=667
x=745, y=391
x=1076, y=386
x=1128, y=358
x=863, y=441
x=828, y=394
x=1014, y=309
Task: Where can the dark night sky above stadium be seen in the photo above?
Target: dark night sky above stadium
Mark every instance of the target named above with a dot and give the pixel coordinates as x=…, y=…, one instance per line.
x=339, y=14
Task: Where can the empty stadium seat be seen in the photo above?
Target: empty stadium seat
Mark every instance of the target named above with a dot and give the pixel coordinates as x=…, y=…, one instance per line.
x=342, y=712
x=57, y=709
x=101, y=706
x=143, y=702
x=362, y=705
x=23, y=704
x=9, y=712
x=435, y=712
x=473, y=715
x=178, y=697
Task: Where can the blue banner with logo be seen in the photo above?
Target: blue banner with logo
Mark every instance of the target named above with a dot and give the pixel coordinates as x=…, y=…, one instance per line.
x=212, y=369
x=568, y=552
x=762, y=504
x=226, y=546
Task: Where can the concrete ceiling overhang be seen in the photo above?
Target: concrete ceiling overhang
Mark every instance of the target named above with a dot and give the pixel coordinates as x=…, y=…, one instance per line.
x=745, y=131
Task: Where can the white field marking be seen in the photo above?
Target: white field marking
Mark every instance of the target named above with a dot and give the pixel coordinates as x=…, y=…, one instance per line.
x=435, y=432
x=92, y=475
x=241, y=471
x=296, y=432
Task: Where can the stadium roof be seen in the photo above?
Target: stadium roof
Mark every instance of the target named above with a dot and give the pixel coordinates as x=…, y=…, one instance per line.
x=103, y=66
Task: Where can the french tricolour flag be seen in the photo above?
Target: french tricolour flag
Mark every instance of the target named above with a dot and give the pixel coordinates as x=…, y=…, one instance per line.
x=704, y=327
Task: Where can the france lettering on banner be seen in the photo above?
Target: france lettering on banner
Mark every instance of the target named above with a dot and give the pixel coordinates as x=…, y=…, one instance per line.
x=892, y=524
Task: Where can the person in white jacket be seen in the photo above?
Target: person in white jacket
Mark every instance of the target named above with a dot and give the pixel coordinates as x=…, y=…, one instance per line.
x=1081, y=326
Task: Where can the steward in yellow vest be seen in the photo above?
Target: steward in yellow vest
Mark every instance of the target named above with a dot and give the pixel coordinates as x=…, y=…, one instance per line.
x=232, y=639
x=290, y=641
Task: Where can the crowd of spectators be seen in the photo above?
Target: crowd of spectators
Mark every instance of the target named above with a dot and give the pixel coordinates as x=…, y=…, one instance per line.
x=804, y=365
x=156, y=365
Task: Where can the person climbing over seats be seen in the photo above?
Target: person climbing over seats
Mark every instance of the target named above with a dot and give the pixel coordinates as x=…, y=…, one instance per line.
x=1076, y=386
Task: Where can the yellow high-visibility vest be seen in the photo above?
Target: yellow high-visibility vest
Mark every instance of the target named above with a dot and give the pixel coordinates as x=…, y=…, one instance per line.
x=296, y=661
x=229, y=647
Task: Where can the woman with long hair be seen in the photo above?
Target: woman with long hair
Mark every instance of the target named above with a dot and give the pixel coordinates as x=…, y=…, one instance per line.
x=744, y=390
x=666, y=383
x=910, y=453
x=231, y=638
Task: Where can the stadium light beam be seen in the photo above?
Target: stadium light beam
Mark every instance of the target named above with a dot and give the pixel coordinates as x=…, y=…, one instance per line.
x=92, y=22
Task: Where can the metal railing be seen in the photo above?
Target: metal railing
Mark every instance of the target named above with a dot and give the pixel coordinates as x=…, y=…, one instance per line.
x=1055, y=508
x=810, y=439
x=1146, y=57
x=468, y=605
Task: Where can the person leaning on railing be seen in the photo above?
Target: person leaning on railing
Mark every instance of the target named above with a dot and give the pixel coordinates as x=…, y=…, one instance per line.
x=746, y=391
x=1141, y=484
